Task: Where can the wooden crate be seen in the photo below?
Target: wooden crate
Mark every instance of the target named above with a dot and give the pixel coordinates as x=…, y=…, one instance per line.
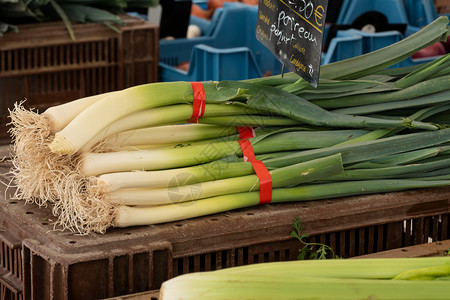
x=43, y=65
x=438, y=248
x=40, y=263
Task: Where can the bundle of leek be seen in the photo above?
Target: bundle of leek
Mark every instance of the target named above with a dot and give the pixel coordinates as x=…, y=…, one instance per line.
x=392, y=278
x=142, y=158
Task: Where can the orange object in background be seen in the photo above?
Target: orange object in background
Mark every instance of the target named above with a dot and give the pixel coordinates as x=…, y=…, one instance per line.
x=184, y=66
x=197, y=11
x=215, y=4
x=212, y=5
x=250, y=2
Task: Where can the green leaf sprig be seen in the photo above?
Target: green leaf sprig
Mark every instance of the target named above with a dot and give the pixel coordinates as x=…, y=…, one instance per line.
x=308, y=251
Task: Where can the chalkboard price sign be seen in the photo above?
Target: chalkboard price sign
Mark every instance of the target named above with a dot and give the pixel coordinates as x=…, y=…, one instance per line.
x=293, y=31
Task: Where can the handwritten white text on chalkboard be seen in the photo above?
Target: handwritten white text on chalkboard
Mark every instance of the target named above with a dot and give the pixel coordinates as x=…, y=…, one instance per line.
x=292, y=30
x=287, y=30
x=305, y=8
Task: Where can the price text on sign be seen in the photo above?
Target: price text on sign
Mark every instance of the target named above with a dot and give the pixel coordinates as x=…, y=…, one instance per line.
x=292, y=30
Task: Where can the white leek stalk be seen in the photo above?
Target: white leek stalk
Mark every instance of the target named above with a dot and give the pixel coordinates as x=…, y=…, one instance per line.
x=172, y=114
x=110, y=182
x=169, y=134
x=110, y=109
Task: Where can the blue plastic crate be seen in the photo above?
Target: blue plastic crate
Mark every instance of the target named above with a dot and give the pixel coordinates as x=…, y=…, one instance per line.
x=377, y=40
x=394, y=10
x=226, y=51
x=353, y=42
x=345, y=45
x=202, y=3
x=203, y=24
x=413, y=13
x=229, y=42
x=420, y=12
x=208, y=63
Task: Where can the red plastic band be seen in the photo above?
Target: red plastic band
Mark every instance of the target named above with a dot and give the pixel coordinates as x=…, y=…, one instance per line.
x=264, y=177
x=246, y=132
x=199, y=101
x=247, y=150
x=265, y=182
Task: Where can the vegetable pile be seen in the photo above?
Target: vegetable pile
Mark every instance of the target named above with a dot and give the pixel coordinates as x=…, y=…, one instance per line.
x=138, y=156
x=392, y=278
x=15, y=12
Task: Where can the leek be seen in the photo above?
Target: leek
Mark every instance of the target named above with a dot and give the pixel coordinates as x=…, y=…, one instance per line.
x=366, y=150
x=427, y=100
x=372, y=62
x=431, y=86
x=390, y=171
x=93, y=164
x=169, y=134
x=286, y=176
x=424, y=72
x=256, y=286
x=82, y=166
x=172, y=114
x=93, y=120
x=219, y=169
x=358, y=155
x=295, y=107
x=317, y=279
x=126, y=216
x=34, y=163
